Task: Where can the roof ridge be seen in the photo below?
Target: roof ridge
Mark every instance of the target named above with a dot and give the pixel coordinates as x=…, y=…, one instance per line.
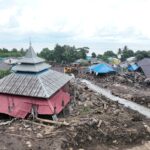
x=47, y=95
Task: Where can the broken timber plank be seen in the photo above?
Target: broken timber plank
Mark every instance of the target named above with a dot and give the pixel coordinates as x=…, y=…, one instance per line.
x=52, y=122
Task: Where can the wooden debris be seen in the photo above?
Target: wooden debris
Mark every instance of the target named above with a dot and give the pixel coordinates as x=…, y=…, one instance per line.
x=99, y=123
x=105, y=106
x=36, y=123
x=17, y=135
x=52, y=122
x=7, y=122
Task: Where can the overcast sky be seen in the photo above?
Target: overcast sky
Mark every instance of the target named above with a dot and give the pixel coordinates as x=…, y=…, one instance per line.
x=99, y=24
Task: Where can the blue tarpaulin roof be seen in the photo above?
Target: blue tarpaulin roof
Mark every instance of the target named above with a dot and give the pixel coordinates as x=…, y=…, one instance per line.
x=101, y=68
x=133, y=67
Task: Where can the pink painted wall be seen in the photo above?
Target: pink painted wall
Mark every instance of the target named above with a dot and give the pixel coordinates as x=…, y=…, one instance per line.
x=19, y=106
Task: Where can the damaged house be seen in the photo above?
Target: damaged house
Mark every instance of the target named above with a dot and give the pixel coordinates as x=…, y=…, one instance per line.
x=33, y=87
x=145, y=66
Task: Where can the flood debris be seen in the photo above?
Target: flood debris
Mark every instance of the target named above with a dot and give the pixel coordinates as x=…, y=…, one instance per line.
x=7, y=122
x=104, y=121
x=92, y=120
x=129, y=85
x=52, y=122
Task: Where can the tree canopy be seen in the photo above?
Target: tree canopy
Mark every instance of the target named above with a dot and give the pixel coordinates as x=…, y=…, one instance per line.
x=126, y=53
x=123, y=54
x=109, y=54
x=142, y=54
x=64, y=54
x=93, y=55
x=68, y=54
x=12, y=53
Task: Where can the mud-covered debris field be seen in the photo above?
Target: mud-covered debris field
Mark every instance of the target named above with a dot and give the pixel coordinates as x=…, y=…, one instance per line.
x=91, y=119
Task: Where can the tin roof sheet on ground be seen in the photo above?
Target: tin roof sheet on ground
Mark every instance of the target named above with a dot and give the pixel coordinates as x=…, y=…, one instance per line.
x=43, y=85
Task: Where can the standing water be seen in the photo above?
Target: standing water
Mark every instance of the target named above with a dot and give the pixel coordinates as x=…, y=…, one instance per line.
x=141, y=109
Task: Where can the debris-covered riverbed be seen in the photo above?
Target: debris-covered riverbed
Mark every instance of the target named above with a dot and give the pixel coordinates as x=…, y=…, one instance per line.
x=91, y=120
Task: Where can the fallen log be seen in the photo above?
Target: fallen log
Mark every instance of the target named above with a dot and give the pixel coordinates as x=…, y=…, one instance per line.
x=17, y=135
x=36, y=123
x=52, y=122
x=7, y=122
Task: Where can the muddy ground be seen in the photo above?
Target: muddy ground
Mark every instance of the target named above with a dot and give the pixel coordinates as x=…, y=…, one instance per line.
x=94, y=122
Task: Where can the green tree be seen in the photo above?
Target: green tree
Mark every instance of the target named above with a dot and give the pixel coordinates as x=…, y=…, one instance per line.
x=119, y=51
x=22, y=51
x=58, y=53
x=99, y=56
x=69, y=54
x=82, y=52
x=14, y=50
x=142, y=54
x=47, y=54
x=5, y=50
x=126, y=53
x=10, y=53
x=110, y=54
x=93, y=55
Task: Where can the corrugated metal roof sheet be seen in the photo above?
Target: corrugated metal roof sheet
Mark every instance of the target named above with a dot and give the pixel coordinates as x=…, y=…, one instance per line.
x=43, y=85
x=30, y=53
x=145, y=65
x=31, y=63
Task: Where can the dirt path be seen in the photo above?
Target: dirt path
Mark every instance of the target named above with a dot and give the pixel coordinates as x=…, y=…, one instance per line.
x=141, y=109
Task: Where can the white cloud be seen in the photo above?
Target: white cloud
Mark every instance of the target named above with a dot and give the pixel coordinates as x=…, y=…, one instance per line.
x=83, y=21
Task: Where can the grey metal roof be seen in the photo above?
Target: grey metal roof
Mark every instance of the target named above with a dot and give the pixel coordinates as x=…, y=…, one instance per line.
x=43, y=85
x=145, y=65
x=31, y=60
x=31, y=63
x=31, y=57
x=31, y=68
x=30, y=53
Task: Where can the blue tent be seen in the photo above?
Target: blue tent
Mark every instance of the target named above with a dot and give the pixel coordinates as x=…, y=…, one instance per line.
x=133, y=67
x=93, y=66
x=101, y=68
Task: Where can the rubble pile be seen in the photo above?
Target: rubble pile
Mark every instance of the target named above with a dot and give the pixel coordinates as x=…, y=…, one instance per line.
x=131, y=86
x=25, y=134
x=128, y=78
x=139, y=96
x=96, y=119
